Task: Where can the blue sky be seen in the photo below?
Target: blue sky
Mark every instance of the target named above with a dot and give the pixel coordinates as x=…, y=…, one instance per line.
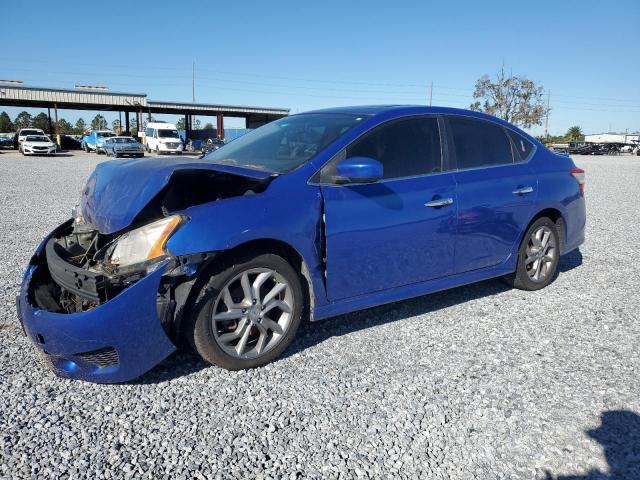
x=306, y=55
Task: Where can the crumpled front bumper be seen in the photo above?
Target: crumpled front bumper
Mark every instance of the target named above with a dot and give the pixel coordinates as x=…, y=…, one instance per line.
x=116, y=341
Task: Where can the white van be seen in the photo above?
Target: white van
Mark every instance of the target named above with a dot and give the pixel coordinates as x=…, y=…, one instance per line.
x=162, y=137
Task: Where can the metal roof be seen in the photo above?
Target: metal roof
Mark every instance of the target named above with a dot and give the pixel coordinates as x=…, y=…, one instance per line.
x=206, y=108
x=36, y=96
x=43, y=97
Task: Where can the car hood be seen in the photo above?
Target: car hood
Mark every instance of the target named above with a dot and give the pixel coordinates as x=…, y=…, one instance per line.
x=118, y=190
x=38, y=144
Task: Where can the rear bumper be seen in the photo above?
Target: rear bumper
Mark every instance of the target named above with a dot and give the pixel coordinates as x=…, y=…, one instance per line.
x=116, y=341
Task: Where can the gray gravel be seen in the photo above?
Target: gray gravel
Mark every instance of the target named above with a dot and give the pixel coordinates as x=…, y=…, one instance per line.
x=477, y=382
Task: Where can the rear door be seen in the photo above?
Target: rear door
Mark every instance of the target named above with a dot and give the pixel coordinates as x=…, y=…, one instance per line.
x=496, y=189
x=384, y=235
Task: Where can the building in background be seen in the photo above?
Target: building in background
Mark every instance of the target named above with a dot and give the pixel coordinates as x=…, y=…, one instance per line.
x=612, y=138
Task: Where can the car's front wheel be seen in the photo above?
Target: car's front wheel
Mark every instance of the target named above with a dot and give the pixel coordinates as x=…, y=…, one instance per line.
x=538, y=256
x=248, y=313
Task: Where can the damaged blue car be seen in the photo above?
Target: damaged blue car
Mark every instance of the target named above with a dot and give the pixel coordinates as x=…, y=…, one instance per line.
x=308, y=217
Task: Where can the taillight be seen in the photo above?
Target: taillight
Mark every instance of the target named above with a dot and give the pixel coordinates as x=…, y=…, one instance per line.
x=578, y=174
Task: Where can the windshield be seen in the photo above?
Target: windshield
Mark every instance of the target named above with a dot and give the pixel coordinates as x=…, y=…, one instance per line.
x=168, y=134
x=287, y=143
x=106, y=134
x=30, y=132
x=37, y=138
x=123, y=140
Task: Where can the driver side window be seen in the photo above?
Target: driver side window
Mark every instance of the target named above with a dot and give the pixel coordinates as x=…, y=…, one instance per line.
x=406, y=148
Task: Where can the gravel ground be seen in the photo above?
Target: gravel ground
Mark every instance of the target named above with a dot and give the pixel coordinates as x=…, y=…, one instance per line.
x=477, y=382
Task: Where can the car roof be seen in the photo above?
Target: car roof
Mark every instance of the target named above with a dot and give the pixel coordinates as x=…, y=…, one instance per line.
x=403, y=110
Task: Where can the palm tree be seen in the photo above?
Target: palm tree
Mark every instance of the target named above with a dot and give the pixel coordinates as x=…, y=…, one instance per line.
x=575, y=134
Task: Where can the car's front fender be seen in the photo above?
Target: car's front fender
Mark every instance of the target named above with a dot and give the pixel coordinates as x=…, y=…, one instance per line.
x=293, y=218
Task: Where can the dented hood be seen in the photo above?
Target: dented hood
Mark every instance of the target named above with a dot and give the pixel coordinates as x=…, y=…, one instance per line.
x=118, y=190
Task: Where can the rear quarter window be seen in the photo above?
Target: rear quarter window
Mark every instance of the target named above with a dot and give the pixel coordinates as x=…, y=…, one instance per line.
x=523, y=147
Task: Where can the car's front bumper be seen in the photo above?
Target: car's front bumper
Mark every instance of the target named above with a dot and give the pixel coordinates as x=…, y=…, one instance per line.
x=116, y=341
x=38, y=151
x=173, y=147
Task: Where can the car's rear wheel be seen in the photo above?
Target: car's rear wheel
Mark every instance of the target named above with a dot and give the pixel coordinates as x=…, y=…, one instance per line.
x=248, y=313
x=538, y=256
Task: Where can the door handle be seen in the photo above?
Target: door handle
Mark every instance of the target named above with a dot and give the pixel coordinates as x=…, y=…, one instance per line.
x=522, y=191
x=440, y=202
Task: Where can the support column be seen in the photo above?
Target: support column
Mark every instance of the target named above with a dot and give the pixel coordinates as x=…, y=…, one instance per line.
x=220, y=126
x=55, y=109
x=187, y=130
x=126, y=121
x=49, y=117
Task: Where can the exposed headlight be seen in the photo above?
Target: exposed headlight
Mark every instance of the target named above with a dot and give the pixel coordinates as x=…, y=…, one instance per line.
x=143, y=244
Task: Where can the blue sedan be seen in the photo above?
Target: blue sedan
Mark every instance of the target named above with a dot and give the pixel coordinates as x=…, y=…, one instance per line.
x=311, y=216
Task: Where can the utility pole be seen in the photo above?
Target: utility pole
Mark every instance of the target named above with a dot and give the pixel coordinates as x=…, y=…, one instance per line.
x=193, y=82
x=431, y=94
x=546, y=121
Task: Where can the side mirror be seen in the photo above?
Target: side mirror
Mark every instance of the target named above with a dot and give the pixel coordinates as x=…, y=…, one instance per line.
x=359, y=170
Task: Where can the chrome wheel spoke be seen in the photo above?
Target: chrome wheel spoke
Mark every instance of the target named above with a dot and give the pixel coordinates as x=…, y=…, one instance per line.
x=243, y=340
x=228, y=315
x=228, y=300
x=246, y=288
x=273, y=292
x=258, y=282
x=230, y=337
x=272, y=325
x=262, y=340
x=277, y=304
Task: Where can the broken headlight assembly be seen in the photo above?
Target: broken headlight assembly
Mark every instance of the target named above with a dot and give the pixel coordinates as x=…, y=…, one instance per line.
x=143, y=248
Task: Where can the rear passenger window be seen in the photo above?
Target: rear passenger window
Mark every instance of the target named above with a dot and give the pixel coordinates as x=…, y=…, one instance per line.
x=405, y=147
x=479, y=143
x=523, y=146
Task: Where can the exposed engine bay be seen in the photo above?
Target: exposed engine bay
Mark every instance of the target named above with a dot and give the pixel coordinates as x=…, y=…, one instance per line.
x=82, y=268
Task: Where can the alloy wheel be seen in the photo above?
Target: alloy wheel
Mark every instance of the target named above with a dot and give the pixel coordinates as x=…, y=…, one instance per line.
x=541, y=254
x=252, y=313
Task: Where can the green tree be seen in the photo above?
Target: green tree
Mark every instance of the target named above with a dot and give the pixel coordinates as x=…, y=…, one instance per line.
x=41, y=121
x=65, y=127
x=196, y=124
x=575, y=134
x=6, y=125
x=99, y=123
x=22, y=120
x=208, y=126
x=181, y=125
x=510, y=97
x=79, y=127
x=115, y=125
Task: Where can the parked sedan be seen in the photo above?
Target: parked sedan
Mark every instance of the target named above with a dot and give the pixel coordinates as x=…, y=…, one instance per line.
x=37, y=145
x=123, y=146
x=308, y=217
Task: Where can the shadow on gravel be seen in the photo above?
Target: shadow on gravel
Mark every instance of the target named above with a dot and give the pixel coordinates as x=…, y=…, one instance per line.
x=185, y=362
x=570, y=261
x=619, y=436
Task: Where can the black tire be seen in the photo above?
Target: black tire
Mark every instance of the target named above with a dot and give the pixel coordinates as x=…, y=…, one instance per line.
x=201, y=335
x=157, y=149
x=521, y=278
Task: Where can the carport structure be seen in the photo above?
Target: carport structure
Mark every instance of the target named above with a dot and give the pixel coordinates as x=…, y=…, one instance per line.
x=131, y=103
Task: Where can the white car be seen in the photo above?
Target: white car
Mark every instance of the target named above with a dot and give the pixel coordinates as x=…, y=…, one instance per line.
x=37, y=145
x=24, y=132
